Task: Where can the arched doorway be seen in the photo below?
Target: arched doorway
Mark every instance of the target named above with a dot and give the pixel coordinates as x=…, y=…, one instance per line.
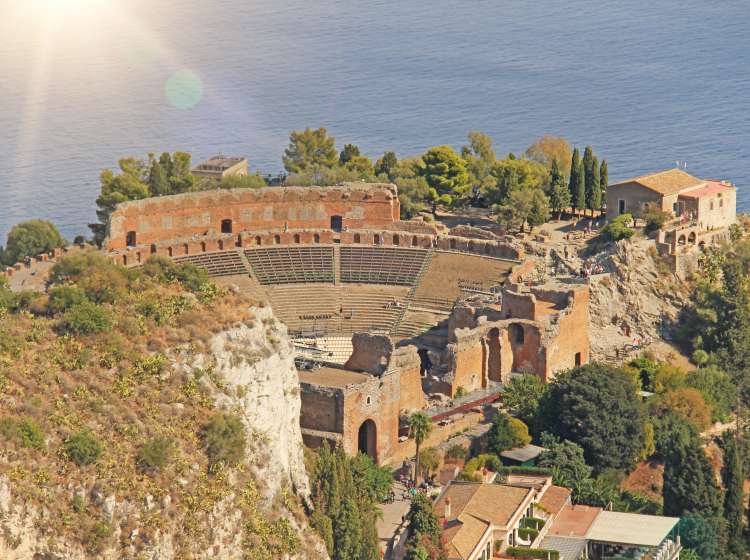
x=367, y=439
x=130, y=239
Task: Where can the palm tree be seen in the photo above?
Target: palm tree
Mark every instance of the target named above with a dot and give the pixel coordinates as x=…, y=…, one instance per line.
x=420, y=426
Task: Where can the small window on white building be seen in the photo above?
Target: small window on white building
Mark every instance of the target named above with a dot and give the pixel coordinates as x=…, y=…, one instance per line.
x=712, y=205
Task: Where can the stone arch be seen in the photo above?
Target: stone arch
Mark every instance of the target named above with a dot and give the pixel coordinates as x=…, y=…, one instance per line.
x=186, y=248
x=415, y=241
x=367, y=439
x=396, y=240
x=681, y=240
x=257, y=240
x=516, y=333
x=357, y=238
x=296, y=238
x=277, y=239
x=130, y=239
x=169, y=251
x=692, y=237
x=377, y=240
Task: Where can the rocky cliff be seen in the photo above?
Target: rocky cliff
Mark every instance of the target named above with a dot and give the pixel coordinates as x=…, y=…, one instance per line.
x=637, y=297
x=253, y=511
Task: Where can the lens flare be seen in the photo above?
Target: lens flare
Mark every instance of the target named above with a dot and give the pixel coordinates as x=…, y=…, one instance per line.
x=184, y=89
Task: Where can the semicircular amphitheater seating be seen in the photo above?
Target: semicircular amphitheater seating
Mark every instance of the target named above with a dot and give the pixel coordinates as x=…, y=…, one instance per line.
x=336, y=290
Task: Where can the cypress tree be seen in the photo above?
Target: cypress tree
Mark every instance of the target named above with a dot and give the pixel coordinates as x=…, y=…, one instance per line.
x=588, y=172
x=689, y=484
x=554, y=173
x=593, y=189
x=579, y=195
x=734, y=508
x=603, y=181
x=575, y=164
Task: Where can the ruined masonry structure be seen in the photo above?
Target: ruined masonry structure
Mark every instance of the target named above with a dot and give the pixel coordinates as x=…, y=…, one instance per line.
x=399, y=315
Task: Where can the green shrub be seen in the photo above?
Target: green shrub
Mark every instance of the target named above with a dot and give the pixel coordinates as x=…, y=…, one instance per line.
x=155, y=454
x=62, y=298
x=618, y=228
x=26, y=432
x=520, y=552
x=224, y=439
x=528, y=533
x=97, y=536
x=78, y=504
x=533, y=523
x=85, y=318
x=164, y=269
x=655, y=218
x=83, y=448
x=29, y=239
x=456, y=452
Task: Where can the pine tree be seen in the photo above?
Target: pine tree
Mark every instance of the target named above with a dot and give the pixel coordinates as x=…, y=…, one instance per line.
x=603, y=181
x=734, y=508
x=579, y=196
x=593, y=189
x=575, y=164
x=158, y=183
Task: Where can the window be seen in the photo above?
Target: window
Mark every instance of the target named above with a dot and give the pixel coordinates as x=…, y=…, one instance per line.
x=316, y=238
x=712, y=205
x=578, y=359
x=296, y=237
x=369, y=399
x=130, y=239
x=357, y=238
x=277, y=239
x=337, y=223
x=226, y=226
x=516, y=333
x=621, y=206
x=396, y=240
x=257, y=240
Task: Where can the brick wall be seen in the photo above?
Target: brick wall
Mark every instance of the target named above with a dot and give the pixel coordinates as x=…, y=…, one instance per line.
x=180, y=216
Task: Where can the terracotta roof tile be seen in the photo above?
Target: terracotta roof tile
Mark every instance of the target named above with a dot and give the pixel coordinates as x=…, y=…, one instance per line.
x=554, y=499
x=664, y=182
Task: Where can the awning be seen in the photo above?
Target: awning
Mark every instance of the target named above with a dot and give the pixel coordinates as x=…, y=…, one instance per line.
x=630, y=528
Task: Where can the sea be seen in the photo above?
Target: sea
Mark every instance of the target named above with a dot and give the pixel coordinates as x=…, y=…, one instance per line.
x=84, y=82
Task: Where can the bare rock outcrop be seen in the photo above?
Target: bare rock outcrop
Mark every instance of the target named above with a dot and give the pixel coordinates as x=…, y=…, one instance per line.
x=636, y=297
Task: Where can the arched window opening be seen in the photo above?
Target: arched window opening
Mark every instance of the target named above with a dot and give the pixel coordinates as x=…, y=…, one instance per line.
x=130, y=239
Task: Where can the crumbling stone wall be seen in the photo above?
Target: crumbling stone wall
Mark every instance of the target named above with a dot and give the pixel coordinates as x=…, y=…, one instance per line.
x=184, y=215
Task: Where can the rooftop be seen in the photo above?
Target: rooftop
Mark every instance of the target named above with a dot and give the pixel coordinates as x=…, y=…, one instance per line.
x=712, y=187
x=667, y=182
x=574, y=521
x=523, y=454
x=555, y=499
x=224, y=162
x=492, y=502
x=568, y=547
x=335, y=378
x=631, y=528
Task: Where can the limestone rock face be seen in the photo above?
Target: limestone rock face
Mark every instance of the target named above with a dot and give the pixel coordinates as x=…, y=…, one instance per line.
x=636, y=298
x=251, y=373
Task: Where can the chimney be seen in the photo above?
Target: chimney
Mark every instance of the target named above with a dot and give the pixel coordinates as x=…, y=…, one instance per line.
x=447, y=512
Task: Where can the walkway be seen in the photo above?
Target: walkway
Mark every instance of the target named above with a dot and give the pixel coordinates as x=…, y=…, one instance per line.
x=391, y=521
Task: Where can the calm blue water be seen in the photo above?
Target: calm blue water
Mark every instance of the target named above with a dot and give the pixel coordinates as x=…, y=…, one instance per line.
x=645, y=82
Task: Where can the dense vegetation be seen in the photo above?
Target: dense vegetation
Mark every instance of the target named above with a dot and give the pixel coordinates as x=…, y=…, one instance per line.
x=346, y=493
x=89, y=395
x=29, y=239
x=550, y=177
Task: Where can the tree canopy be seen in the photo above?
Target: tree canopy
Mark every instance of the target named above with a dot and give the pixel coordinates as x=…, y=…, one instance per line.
x=597, y=407
x=310, y=150
x=29, y=239
x=446, y=175
x=549, y=149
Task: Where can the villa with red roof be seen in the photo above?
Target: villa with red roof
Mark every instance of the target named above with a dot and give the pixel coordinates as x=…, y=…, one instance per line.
x=707, y=203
